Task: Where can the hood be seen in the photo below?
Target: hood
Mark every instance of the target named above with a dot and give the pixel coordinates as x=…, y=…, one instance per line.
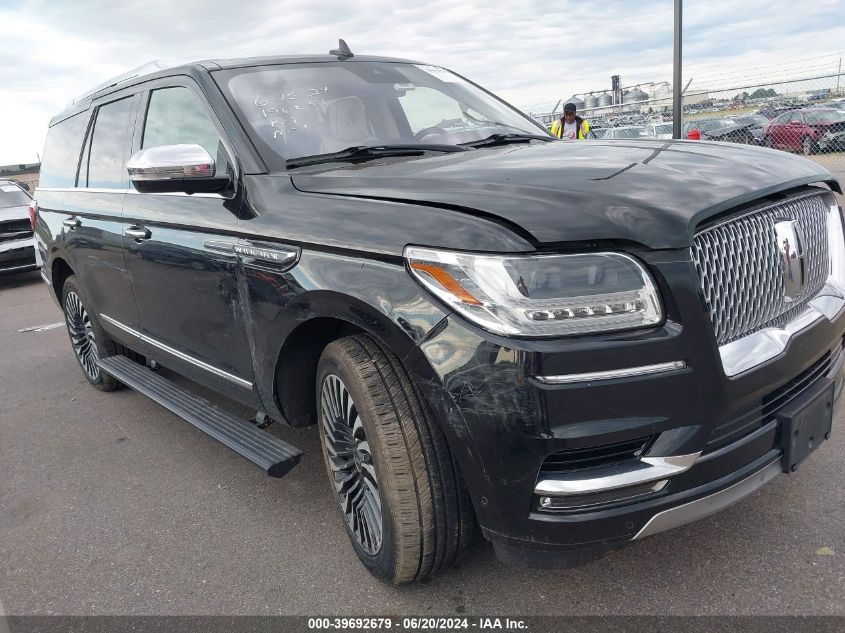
x=649, y=192
x=14, y=213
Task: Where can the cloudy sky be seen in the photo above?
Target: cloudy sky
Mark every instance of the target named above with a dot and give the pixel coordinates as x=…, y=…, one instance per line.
x=527, y=51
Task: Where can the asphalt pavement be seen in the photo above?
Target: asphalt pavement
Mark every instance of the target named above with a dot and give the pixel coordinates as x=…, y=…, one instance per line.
x=109, y=504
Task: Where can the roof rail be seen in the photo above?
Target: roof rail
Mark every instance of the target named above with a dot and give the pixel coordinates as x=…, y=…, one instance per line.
x=146, y=69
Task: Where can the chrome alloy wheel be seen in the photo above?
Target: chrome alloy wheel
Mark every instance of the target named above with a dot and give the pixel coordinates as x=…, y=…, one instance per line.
x=351, y=464
x=82, y=335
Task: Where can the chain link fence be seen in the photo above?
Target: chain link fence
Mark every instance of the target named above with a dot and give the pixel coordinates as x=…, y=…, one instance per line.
x=800, y=114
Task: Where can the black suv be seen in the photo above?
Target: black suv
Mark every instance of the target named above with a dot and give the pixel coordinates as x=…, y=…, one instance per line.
x=572, y=345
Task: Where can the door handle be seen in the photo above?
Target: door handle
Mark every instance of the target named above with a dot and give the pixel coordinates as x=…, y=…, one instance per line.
x=137, y=232
x=72, y=223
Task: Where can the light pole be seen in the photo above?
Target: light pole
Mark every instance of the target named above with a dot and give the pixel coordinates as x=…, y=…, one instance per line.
x=677, y=98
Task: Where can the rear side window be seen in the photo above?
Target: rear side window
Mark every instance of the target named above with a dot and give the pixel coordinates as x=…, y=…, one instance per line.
x=825, y=116
x=174, y=117
x=61, y=152
x=110, y=146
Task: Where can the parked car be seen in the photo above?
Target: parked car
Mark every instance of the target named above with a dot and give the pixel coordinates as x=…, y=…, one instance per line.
x=17, y=244
x=706, y=126
x=839, y=104
x=803, y=130
x=749, y=129
x=573, y=345
x=626, y=132
x=729, y=130
x=770, y=112
x=659, y=130
x=832, y=140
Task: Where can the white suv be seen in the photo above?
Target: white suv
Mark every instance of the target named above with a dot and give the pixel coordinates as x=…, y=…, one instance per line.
x=17, y=241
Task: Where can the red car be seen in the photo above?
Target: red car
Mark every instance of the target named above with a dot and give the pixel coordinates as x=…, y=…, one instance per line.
x=803, y=130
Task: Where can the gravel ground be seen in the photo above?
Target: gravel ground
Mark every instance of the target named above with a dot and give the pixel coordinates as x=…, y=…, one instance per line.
x=111, y=505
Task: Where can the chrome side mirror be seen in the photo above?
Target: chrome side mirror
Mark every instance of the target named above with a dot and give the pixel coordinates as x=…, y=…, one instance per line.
x=187, y=168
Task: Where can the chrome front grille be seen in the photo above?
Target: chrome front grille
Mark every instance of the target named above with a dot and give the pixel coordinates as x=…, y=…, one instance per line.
x=740, y=267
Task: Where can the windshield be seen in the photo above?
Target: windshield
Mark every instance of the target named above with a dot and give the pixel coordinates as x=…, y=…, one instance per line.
x=296, y=110
x=663, y=128
x=12, y=196
x=824, y=116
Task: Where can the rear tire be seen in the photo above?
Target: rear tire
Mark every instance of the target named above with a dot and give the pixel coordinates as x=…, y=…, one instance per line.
x=87, y=338
x=767, y=142
x=809, y=146
x=376, y=430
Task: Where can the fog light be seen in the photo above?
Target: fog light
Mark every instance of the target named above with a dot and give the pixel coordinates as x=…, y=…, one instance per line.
x=577, y=502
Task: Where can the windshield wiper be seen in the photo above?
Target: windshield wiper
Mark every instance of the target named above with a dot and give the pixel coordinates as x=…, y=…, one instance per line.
x=505, y=139
x=367, y=152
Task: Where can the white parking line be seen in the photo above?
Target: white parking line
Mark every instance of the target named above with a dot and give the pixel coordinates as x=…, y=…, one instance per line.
x=42, y=328
x=4, y=627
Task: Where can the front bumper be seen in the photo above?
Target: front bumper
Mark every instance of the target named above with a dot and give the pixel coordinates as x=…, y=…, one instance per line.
x=17, y=256
x=711, y=438
x=832, y=142
x=711, y=504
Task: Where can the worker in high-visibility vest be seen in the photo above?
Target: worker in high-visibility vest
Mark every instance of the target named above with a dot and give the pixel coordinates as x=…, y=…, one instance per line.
x=570, y=126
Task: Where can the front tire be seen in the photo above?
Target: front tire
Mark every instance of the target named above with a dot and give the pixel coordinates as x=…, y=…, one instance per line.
x=809, y=146
x=405, y=507
x=87, y=338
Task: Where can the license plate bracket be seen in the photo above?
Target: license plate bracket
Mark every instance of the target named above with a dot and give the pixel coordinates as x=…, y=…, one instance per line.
x=806, y=422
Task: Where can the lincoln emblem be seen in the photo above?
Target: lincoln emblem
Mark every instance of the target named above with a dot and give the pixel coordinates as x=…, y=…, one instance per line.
x=790, y=242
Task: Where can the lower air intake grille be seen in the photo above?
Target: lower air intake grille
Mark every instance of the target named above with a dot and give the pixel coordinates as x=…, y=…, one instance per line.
x=749, y=422
x=595, y=456
x=15, y=230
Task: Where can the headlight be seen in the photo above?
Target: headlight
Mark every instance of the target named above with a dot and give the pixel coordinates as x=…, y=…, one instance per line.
x=541, y=295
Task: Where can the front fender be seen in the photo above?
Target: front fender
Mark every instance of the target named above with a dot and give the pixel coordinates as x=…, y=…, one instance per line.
x=379, y=298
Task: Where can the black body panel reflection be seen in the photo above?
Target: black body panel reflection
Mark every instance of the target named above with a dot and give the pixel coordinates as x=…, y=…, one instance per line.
x=187, y=293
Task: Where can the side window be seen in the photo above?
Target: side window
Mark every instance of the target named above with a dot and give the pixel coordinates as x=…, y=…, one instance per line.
x=83, y=166
x=174, y=117
x=425, y=107
x=61, y=152
x=109, y=146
